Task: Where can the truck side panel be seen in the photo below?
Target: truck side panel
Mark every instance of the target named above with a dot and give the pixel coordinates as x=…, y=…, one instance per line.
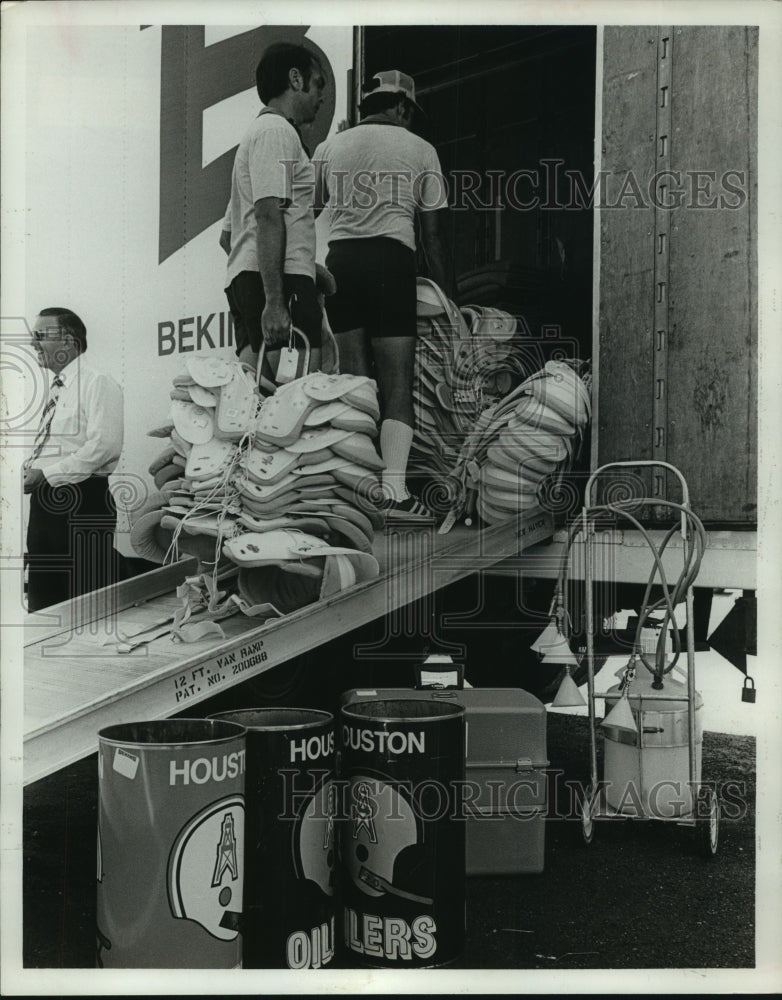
x=128, y=150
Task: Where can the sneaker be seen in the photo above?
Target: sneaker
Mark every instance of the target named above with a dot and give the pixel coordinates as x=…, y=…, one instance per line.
x=410, y=508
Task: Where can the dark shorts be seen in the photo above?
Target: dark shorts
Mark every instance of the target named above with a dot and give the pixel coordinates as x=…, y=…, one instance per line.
x=246, y=300
x=375, y=287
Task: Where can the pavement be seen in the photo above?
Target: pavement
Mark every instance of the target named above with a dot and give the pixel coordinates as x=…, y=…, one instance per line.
x=641, y=896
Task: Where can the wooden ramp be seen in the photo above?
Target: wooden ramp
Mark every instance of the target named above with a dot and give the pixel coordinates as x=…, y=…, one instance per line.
x=75, y=684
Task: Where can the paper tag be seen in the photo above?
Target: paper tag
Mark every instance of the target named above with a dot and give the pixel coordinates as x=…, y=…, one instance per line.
x=288, y=368
x=649, y=639
x=125, y=763
x=474, y=471
x=439, y=678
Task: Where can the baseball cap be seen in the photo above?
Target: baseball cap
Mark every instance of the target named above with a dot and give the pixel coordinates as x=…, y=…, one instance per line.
x=392, y=81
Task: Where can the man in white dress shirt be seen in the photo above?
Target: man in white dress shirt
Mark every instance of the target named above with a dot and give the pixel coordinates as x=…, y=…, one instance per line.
x=70, y=532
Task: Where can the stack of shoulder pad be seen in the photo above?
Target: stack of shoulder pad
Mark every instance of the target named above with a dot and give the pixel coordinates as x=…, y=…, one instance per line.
x=282, y=487
x=308, y=486
x=530, y=435
x=466, y=361
x=213, y=407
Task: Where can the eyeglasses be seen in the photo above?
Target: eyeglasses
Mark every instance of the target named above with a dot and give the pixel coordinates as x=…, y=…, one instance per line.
x=48, y=333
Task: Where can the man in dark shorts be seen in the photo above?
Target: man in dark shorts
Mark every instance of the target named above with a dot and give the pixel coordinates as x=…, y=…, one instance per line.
x=373, y=179
x=269, y=227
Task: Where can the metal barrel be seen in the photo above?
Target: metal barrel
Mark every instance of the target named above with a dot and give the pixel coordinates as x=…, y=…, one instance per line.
x=290, y=859
x=647, y=771
x=402, y=836
x=170, y=844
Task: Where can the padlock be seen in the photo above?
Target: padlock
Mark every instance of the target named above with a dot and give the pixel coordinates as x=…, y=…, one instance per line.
x=748, y=691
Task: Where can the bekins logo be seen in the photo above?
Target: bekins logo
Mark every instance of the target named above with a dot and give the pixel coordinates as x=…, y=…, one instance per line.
x=204, y=769
x=194, y=78
x=396, y=741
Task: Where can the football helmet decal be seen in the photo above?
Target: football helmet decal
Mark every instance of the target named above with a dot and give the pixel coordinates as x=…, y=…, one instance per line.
x=313, y=838
x=383, y=826
x=205, y=868
x=364, y=812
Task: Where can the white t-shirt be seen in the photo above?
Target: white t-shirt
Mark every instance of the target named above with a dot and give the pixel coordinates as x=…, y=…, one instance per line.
x=377, y=176
x=271, y=163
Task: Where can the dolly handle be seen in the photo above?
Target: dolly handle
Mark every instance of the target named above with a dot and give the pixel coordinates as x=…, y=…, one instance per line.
x=645, y=463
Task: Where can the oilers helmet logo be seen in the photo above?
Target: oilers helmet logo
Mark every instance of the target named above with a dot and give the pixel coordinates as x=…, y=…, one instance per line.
x=205, y=868
x=364, y=812
x=383, y=827
x=314, y=840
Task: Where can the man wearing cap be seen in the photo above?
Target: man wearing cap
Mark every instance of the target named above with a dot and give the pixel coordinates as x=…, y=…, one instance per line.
x=70, y=530
x=373, y=180
x=269, y=226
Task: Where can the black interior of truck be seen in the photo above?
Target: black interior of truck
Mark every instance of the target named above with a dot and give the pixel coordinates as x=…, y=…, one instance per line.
x=507, y=105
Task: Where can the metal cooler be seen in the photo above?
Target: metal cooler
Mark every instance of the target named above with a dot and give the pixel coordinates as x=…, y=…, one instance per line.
x=504, y=800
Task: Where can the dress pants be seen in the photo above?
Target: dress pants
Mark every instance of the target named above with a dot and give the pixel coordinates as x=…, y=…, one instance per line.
x=70, y=541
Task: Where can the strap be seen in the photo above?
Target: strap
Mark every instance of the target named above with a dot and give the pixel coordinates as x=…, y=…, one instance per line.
x=290, y=121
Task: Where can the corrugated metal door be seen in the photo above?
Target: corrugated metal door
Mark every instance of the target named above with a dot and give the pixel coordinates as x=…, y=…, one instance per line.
x=677, y=364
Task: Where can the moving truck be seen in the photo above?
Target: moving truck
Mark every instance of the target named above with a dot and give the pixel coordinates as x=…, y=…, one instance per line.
x=128, y=144
x=603, y=183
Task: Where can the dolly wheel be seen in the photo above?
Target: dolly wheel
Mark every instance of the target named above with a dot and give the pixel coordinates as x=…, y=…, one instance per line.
x=707, y=827
x=587, y=815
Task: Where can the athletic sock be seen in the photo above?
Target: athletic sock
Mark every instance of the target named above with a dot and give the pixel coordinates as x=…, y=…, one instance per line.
x=395, y=441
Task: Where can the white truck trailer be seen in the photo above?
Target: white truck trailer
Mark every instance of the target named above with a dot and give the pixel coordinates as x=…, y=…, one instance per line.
x=615, y=207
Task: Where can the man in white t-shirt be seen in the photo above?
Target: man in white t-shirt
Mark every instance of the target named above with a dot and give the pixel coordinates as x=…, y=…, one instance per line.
x=373, y=179
x=269, y=227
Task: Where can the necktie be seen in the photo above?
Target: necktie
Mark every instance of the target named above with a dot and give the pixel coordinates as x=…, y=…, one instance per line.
x=45, y=425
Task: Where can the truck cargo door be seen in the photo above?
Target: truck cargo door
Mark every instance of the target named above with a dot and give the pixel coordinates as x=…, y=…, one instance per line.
x=677, y=325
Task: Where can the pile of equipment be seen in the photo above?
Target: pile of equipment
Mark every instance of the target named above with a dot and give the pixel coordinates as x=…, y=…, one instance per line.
x=282, y=487
x=493, y=420
x=532, y=434
x=465, y=361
